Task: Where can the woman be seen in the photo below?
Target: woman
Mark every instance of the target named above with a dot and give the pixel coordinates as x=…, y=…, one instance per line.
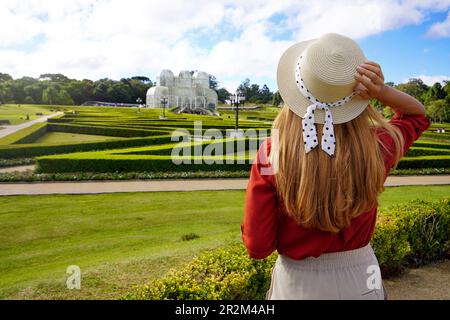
x=315, y=202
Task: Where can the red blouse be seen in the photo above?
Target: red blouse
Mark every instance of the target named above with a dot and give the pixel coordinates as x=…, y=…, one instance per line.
x=266, y=228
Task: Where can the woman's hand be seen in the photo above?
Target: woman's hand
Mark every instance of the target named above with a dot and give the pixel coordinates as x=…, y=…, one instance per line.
x=370, y=85
x=370, y=80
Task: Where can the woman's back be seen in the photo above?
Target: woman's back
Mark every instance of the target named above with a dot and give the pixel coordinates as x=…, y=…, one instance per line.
x=314, y=185
x=298, y=242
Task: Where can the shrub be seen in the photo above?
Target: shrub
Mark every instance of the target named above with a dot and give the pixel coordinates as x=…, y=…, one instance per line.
x=132, y=163
x=143, y=159
x=417, y=152
x=390, y=244
x=424, y=162
x=33, y=150
x=103, y=130
x=221, y=274
x=427, y=228
x=189, y=236
x=417, y=229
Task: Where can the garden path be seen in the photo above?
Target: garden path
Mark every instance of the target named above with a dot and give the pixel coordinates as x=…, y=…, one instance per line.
x=7, y=130
x=93, y=187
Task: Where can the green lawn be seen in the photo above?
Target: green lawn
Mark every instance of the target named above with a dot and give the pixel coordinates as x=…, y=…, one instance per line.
x=120, y=239
x=58, y=137
x=17, y=114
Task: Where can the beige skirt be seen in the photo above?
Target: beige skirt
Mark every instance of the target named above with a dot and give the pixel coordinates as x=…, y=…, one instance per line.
x=353, y=274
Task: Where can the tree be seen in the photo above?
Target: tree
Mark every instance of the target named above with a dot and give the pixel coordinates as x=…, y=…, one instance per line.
x=100, y=92
x=54, y=77
x=438, y=110
x=414, y=87
x=244, y=88
x=143, y=79
x=265, y=95
x=5, y=77
x=29, y=100
x=223, y=95
x=50, y=95
x=277, y=100
x=34, y=91
x=119, y=91
x=213, y=84
x=64, y=98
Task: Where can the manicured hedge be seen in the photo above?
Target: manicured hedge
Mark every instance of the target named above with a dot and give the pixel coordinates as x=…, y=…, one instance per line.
x=103, y=130
x=126, y=161
x=33, y=150
x=151, y=159
x=26, y=135
x=225, y=146
x=413, y=233
x=417, y=152
x=435, y=135
x=429, y=144
x=424, y=162
x=130, y=164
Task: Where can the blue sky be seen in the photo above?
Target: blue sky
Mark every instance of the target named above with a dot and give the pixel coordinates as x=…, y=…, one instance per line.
x=408, y=51
x=232, y=40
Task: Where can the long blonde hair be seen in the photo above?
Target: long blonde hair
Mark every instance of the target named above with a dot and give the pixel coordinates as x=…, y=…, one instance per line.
x=324, y=192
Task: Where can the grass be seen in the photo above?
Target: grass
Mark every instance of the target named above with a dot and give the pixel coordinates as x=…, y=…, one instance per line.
x=17, y=114
x=59, y=137
x=120, y=239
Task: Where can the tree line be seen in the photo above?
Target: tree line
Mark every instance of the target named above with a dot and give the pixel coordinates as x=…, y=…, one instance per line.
x=58, y=89
x=435, y=98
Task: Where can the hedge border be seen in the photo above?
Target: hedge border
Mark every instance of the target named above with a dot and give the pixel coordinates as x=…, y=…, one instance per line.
x=25, y=135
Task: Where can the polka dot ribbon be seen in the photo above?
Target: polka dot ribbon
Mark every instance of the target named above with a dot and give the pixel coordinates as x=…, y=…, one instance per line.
x=310, y=139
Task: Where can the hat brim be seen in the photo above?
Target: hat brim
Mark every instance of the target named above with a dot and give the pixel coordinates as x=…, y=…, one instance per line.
x=294, y=99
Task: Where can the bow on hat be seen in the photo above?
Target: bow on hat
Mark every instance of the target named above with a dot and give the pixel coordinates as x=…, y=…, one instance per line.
x=310, y=139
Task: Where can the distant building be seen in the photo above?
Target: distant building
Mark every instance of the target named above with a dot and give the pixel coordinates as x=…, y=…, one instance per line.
x=187, y=91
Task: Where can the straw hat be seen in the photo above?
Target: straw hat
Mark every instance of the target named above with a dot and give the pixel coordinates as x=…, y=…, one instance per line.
x=328, y=65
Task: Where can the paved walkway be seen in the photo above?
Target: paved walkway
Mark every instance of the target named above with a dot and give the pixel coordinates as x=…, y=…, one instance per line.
x=7, y=130
x=17, y=168
x=92, y=187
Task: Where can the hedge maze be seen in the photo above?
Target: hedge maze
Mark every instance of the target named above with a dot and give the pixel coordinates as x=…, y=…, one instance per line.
x=142, y=142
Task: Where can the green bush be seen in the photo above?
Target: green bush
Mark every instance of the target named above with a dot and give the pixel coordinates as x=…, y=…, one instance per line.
x=418, y=152
x=427, y=226
x=103, y=130
x=435, y=135
x=144, y=159
x=131, y=163
x=159, y=159
x=34, y=150
x=428, y=144
x=221, y=274
x=424, y=162
x=390, y=244
x=417, y=229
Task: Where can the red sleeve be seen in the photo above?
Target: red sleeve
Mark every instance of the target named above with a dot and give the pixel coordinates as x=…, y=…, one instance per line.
x=411, y=128
x=259, y=230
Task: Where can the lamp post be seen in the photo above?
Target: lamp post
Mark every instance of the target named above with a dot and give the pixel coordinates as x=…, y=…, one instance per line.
x=236, y=100
x=139, y=101
x=163, y=102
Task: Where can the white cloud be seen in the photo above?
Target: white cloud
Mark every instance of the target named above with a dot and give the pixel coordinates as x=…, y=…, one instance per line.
x=430, y=80
x=115, y=38
x=440, y=29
